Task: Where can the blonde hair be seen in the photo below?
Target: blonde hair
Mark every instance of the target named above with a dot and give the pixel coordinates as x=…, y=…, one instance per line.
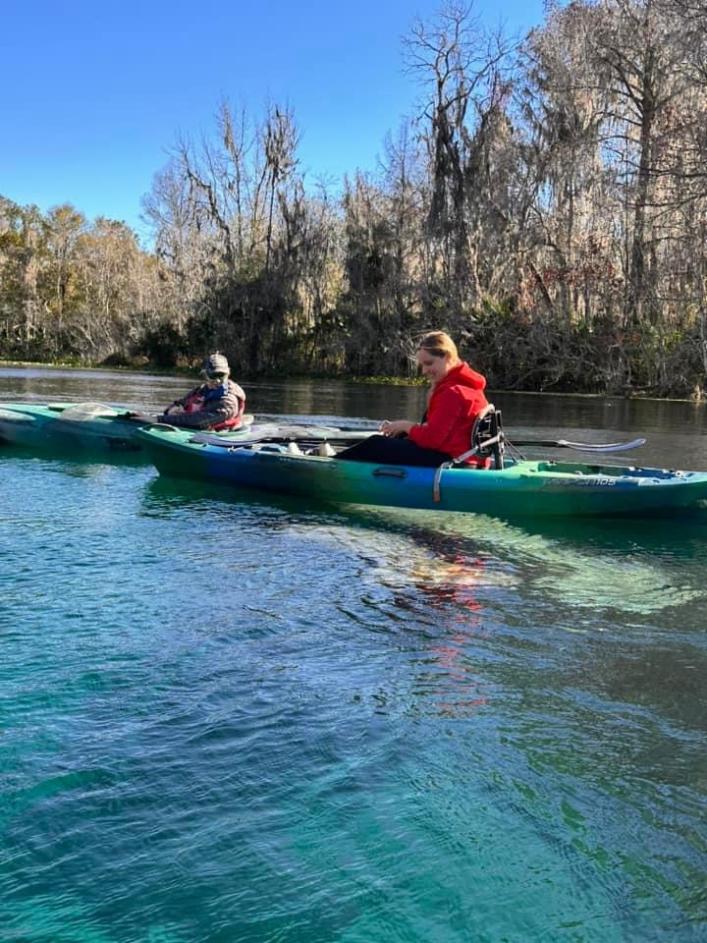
x=439, y=344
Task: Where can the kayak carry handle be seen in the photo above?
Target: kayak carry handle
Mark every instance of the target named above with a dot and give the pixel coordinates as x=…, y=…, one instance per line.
x=387, y=472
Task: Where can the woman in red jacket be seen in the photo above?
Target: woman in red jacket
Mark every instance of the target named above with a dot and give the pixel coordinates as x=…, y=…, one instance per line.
x=454, y=403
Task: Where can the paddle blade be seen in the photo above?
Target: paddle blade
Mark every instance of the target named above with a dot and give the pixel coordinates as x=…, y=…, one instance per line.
x=581, y=446
x=602, y=447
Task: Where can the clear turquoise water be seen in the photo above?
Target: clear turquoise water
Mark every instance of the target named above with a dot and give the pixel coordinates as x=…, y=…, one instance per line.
x=229, y=717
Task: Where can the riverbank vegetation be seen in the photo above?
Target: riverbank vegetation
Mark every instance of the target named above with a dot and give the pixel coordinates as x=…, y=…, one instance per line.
x=546, y=204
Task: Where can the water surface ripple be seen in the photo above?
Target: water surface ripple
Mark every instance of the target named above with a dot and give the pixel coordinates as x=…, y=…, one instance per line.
x=230, y=717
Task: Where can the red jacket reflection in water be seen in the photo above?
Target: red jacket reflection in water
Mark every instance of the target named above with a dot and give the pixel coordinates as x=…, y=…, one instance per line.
x=453, y=406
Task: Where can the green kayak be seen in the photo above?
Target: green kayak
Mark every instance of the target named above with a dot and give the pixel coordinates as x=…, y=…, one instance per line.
x=86, y=428
x=73, y=426
x=92, y=430
x=521, y=488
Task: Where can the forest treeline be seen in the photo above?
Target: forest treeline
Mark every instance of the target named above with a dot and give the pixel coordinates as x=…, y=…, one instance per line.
x=547, y=205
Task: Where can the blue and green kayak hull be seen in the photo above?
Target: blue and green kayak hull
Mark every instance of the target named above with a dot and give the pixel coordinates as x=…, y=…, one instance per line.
x=523, y=488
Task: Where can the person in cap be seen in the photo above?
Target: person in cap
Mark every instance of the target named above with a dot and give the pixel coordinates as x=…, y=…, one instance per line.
x=217, y=404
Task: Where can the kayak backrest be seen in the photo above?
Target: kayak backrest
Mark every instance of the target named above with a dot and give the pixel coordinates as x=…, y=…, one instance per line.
x=487, y=438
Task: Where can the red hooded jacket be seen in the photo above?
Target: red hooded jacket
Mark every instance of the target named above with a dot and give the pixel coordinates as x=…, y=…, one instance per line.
x=454, y=404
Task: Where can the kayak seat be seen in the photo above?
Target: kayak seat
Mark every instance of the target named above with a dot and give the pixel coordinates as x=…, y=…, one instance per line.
x=487, y=445
x=487, y=437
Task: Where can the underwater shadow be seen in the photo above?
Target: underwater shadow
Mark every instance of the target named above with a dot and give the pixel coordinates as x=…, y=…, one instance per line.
x=676, y=535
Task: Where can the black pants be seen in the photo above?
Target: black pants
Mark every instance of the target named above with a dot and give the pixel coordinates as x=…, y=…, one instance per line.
x=381, y=450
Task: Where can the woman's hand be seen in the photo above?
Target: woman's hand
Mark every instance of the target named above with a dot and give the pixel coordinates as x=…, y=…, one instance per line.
x=396, y=427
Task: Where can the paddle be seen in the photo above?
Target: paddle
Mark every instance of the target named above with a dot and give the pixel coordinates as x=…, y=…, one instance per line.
x=350, y=434
x=313, y=435
x=142, y=419
x=272, y=433
x=581, y=446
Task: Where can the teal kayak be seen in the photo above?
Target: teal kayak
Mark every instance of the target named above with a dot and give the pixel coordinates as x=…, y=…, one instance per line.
x=521, y=488
x=86, y=428
x=73, y=426
x=92, y=430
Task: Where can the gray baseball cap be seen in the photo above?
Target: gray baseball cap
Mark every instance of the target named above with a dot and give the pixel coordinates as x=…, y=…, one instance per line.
x=216, y=364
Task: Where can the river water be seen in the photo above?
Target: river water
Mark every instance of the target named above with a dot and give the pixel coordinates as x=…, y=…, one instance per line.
x=233, y=718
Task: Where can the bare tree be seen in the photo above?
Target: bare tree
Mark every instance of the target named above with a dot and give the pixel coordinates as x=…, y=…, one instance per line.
x=642, y=59
x=280, y=145
x=462, y=66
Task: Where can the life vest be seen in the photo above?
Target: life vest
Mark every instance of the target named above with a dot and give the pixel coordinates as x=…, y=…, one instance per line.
x=232, y=423
x=194, y=401
x=197, y=400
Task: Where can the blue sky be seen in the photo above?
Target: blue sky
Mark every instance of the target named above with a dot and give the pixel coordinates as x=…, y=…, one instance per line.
x=94, y=94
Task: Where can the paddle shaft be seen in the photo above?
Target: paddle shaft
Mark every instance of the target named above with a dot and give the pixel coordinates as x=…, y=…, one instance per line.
x=310, y=435
x=350, y=434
